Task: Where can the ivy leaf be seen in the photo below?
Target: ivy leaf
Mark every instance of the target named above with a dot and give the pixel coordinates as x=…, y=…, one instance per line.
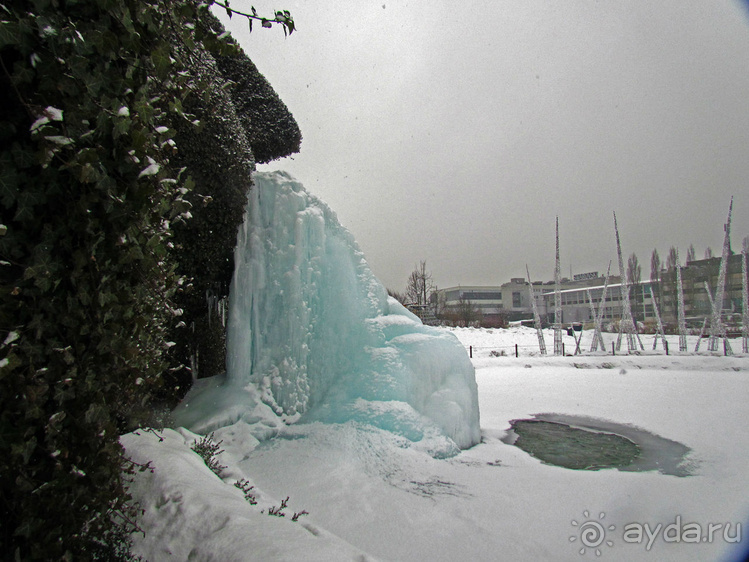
x=9, y=363
x=22, y=75
x=161, y=61
x=24, y=210
x=8, y=183
x=9, y=33
x=153, y=241
x=26, y=200
x=88, y=174
x=28, y=449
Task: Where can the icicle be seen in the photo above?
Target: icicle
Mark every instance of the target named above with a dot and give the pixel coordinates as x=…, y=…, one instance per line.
x=210, y=303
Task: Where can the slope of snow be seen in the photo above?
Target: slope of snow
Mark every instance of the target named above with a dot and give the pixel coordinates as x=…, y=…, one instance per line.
x=189, y=513
x=372, y=494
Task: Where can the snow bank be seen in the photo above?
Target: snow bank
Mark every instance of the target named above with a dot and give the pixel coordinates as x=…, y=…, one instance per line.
x=313, y=336
x=377, y=491
x=190, y=513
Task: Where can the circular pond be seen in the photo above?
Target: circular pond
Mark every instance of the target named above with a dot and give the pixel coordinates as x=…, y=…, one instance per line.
x=583, y=443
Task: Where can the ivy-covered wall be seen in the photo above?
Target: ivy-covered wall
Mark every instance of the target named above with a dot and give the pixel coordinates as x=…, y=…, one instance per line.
x=118, y=211
x=242, y=121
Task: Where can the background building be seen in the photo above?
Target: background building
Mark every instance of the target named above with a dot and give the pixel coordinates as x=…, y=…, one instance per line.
x=469, y=303
x=695, y=275
x=511, y=301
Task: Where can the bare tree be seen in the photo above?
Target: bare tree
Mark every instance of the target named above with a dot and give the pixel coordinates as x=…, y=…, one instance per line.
x=691, y=254
x=655, y=276
x=708, y=253
x=655, y=266
x=400, y=297
x=669, y=293
x=438, y=300
x=634, y=276
x=673, y=258
x=420, y=285
x=467, y=314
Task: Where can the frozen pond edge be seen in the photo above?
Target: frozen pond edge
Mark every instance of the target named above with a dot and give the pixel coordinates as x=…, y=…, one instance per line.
x=656, y=453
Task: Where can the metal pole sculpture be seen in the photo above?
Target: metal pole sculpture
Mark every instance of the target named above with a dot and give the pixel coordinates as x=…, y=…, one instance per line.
x=627, y=323
x=597, y=337
x=726, y=345
x=682, y=317
x=578, y=338
x=593, y=315
x=558, y=347
x=659, y=331
x=745, y=295
x=702, y=333
x=717, y=329
x=709, y=295
x=536, y=316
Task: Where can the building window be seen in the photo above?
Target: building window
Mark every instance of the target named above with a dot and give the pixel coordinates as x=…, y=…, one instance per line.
x=516, y=300
x=482, y=295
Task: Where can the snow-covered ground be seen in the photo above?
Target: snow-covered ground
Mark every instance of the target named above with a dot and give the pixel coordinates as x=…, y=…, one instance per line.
x=371, y=495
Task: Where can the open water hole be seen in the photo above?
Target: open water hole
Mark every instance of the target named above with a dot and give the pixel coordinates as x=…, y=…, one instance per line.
x=583, y=443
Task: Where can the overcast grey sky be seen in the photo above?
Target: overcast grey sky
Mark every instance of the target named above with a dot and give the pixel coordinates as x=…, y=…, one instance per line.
x=455, y=132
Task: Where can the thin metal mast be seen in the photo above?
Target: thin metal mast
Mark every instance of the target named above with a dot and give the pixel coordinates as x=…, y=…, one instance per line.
x=745, y=287
x=682, y=315
x=702, y=332
x=597, y=336
x=536, y=317
x=627, y=323
x=558, y=347
x=593, y=315
x=717, y=329
x=660, y=331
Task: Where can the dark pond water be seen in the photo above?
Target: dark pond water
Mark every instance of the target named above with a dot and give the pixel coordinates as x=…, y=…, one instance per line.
x=583, y=443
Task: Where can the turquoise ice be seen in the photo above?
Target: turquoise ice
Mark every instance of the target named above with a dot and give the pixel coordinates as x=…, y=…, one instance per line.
x=314, y=337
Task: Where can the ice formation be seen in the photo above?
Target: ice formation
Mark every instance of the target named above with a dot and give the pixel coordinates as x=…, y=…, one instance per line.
x=314, y=337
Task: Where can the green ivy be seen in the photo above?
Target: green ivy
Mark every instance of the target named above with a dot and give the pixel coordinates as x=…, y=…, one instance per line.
x=91, y=90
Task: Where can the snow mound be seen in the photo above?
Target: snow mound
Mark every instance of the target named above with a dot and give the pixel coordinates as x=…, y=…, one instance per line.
x=190, y=513
x=314, y=337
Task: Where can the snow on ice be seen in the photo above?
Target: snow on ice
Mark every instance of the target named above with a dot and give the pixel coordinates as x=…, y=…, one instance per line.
x=339, y=399
x=370, y=495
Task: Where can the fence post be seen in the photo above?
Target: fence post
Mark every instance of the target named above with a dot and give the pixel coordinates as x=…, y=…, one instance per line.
x=516, y=350
x=470, y=351
x=666, y=342
x=613, y=349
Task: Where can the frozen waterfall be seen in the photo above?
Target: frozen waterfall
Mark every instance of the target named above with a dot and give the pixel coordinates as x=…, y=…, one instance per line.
x=314, y=337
